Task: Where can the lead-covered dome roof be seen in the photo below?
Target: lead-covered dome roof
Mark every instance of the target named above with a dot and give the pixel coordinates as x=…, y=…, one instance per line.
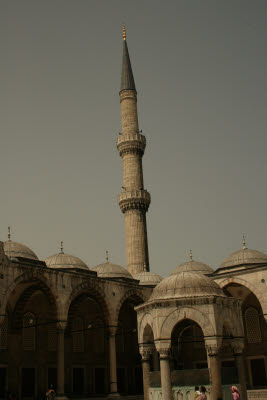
x=186, y=284
x=243, y=257
x=17, y=250
x=66, y=261
x=148, y=278
x=109, y=270
x=193, y=266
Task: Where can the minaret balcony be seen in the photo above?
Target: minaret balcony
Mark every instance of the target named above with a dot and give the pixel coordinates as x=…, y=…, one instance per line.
x=134, y=199
x=131, y=143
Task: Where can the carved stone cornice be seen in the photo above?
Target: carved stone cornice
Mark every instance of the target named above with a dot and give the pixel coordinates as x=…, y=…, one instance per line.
x=133, y=143
x=134, y=200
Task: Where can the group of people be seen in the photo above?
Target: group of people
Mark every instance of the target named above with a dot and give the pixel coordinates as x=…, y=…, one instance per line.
x=200, y=393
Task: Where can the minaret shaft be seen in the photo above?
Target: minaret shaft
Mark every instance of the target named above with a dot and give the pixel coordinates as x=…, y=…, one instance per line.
x=134, y=200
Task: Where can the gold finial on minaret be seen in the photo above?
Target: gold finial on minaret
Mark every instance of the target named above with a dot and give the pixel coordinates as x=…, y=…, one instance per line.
x=244, y=243
x=9, y=235
x=107, y=256
x=124, y=32
x=191, y=255
x=61, y=248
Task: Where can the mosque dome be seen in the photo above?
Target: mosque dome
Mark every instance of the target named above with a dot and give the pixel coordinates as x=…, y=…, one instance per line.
x=243, y=257
x=193, y=266
x=186, y=284
x=108, y=270
x=148, y=278
x=16, y=250
x=66, y=261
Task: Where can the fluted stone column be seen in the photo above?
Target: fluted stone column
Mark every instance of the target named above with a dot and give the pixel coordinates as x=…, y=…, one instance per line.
x=113, y=362
x=238, y=346
x=134, y=200
x=214, y=364
x=165, y=374
x=61, y=360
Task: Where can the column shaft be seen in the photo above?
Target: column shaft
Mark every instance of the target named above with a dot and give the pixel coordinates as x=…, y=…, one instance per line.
x=112, y=364
x=215, y=375
x=165, y=374
x=60, y=363
x=241, y=375
x=146, y=379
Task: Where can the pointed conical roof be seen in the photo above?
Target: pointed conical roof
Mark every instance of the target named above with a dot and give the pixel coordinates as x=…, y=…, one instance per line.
x=127, y=79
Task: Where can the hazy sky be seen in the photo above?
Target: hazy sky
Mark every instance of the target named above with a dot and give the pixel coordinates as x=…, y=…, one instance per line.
x=200, y=69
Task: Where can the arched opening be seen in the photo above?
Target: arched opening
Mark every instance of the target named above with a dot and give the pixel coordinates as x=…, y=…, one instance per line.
x=255, y=330
x=86, y=348
x=29, y=353
x=188, y=354
x=129, y=368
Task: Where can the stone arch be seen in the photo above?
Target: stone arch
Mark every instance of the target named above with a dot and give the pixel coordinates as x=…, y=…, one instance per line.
x=90, y=290
x=34, y=281
x=178, y=315
x=146, y=320
x=134, y=294
x=248, y=285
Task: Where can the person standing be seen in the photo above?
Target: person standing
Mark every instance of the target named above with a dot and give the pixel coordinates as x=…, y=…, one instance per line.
x=202, y=395
x=197, y=392
x=235, y=393
x=50, y=394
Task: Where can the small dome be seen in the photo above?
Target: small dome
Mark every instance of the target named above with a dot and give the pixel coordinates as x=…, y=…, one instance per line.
x=193, y=266
x=148, y=278
x=108, y=270
x=186, y=284
x=66, y=261
x=244, y=256
x=16, y=250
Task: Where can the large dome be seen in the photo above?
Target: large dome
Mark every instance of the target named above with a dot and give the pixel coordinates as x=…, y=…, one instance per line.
x=193, y=266
x=108, y=270
x=66, y=261
x=148, y=278
x=243, y=257
x=16, y=250
x=186, y=284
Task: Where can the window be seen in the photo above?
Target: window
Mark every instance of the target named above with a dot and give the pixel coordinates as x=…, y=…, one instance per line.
x=253, y=325
x=28, y=333
x=3, y=334
x=77, y=336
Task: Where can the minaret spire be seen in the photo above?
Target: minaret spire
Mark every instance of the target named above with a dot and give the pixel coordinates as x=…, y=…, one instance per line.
x=134, y=200
x=127, y=79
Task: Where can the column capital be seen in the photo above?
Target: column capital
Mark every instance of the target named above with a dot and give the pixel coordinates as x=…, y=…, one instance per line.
x=146, y=350
x=61, y=325
x=213, y=346
x=112, y=330
x=238, y=346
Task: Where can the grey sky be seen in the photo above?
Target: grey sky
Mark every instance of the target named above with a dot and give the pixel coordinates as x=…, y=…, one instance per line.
x=200, y=70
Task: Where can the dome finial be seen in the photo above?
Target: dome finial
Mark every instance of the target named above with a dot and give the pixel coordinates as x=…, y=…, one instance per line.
x=191, y=255
x=61, y=248
x=145, y=267
x=124, y=32
x=244, y=243
x=9, y=235
x=107, y=256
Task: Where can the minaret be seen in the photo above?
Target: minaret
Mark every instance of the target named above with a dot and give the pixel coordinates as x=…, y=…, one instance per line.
x=134, y=199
